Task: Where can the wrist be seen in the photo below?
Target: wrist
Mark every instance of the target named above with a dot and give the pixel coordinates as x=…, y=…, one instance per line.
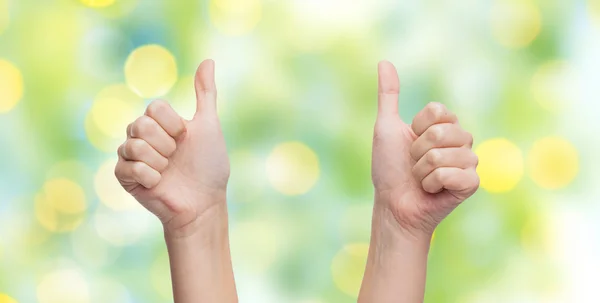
x=402, y=214
x=211, y=220
x=388, y=234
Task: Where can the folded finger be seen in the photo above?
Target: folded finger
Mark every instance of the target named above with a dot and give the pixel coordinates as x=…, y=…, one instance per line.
x=135, y=149
x=460, y=157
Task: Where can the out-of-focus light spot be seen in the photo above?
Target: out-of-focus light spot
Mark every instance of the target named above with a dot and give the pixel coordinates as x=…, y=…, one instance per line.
x=594, y=9
x=292, y=168
x=11, y=86
x=516, y=24
x=356, y=222
x=60, y=206
x=110, y=192
x=125, y=227
x=256, y=244
x=4, y=16
x=114, y=108
x=151, y=71
x=500, y=165
x=64, y=286
x=537, y=236
x=98, y=139
x=235, y=17
x=553, y=162
x=90, y=250
x=348, y=266
x=555, y=86
x=318, y=24
x=160, y=276
x=4, y=298
x=98, y=3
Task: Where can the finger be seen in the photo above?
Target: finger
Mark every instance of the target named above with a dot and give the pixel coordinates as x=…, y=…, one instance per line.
x=137, y=172
x=166, y=117
x=147, y=129
x=433, y=113
x=460, y=182
x=460, y=157
x=440, y=135
x=206, y=90
x=389, y=89
x=135, y=149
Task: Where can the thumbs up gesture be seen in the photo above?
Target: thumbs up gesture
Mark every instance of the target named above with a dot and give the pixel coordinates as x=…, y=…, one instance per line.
x=177, y=169
x=421, y=171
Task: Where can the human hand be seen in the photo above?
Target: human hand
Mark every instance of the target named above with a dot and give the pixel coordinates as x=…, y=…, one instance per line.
x=422, y=171
x=177, y=169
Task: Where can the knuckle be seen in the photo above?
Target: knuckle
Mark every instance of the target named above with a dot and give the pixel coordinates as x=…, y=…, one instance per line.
x=137, y=148
x=142, y=126
x=433, y=157
x=475, y=159
x=435, y=133
x=137, y=169
x=476, y=181
x=439, y=175
x=155, y=107
x=469, y=138
x=435, y=110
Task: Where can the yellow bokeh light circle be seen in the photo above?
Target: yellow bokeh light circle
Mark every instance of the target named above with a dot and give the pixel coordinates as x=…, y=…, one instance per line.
x=554, y=86
x=292, y=168
x=151, y=71
x=516, y=23
x=538, y=236
x=98, y=3
x=11, y=86
x=4, y=298
x=553, y=162
x=63, y=286
x=348, y=266
x=500, y=165
x=235, y=17
x=61, y=205
x=110, y=192
x=113, y=109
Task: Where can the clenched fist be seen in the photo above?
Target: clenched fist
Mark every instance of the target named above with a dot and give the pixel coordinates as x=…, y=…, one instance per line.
x=421, y=171
x=177, y=169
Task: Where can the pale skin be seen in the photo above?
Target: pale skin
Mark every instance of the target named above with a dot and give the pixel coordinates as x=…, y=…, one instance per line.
x=421, y=172
x=178, y=169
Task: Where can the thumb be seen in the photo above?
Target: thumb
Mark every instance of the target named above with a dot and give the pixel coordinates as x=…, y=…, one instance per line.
x=206, y=90
x=389, y=89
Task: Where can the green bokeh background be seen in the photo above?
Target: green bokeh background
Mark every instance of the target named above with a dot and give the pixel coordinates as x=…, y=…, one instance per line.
x=306, y=71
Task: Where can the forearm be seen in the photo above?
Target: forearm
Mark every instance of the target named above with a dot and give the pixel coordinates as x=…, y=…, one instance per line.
x=396, y=264
x=201, y=269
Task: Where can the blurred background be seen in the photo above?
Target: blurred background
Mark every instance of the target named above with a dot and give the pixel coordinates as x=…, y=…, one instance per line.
x=297, y=97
